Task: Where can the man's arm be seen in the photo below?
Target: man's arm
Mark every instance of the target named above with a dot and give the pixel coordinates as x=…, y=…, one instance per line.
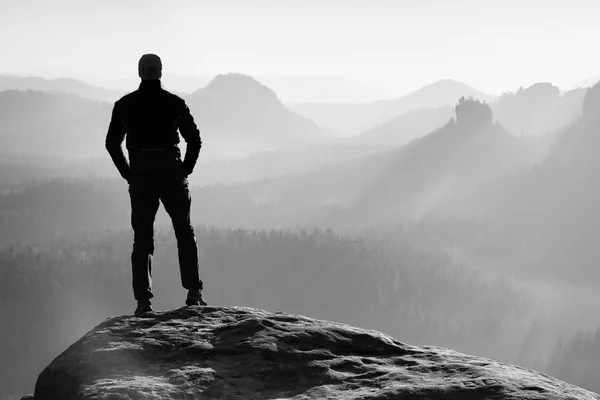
x=114, y=139
x=190, y=133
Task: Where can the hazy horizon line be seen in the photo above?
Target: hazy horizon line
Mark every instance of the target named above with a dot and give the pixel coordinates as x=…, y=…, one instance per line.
x=97, y=81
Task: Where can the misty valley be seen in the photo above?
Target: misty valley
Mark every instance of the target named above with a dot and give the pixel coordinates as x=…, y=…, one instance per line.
x=446, y=217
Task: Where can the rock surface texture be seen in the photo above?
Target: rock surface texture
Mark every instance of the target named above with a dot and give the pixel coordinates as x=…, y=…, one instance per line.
x=244, y=353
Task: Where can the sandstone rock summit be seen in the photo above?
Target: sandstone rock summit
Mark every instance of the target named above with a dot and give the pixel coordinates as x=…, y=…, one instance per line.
x=244, y=353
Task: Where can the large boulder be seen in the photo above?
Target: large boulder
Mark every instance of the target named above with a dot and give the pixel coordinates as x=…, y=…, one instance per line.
x=244, y=353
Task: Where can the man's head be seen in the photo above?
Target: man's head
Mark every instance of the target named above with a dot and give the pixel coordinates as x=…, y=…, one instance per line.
x=150, y=67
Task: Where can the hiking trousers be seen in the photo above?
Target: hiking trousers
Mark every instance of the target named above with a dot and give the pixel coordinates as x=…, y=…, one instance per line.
x=146, y=190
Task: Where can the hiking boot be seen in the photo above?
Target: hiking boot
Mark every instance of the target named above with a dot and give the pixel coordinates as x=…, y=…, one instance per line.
x=143, y=306
x=194, y=298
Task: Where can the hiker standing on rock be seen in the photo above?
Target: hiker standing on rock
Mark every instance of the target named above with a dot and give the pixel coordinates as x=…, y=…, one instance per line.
x=151, y=118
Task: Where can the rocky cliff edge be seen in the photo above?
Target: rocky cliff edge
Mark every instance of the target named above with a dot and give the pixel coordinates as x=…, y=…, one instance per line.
x=244, y=353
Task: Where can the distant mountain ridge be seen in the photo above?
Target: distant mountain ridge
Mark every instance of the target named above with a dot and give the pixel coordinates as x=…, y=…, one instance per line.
x=236, y=107
x=405, y=184
x=538, y=109
x=298, y=89
x=408, y=126
x=235, y=113
x=68, y=85
x=239, y=89
x=440, y=93
x=434, y=168
x=356, y=118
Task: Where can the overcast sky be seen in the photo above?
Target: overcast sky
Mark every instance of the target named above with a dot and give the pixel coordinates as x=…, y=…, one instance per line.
x=493, y=45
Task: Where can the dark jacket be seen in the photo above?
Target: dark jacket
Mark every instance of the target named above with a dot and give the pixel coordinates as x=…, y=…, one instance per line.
x=151, y=116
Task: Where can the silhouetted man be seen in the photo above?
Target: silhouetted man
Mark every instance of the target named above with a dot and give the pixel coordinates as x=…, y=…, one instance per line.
x=151, y=118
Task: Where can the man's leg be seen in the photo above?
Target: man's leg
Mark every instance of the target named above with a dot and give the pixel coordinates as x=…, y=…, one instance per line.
x=177, y=202
x=144, y=205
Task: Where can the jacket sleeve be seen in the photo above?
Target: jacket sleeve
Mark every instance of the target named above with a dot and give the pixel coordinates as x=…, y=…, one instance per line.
x=114, y=140
x=191, y=134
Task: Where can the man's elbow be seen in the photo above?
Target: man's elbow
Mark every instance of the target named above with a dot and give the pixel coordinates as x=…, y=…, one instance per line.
x=194, y=142
x=109, y=146
x=197, y=143
x=112, y=147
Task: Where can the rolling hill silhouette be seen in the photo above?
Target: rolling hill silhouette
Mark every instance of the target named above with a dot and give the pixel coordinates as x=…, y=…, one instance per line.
x=402, y=129
x=235, y=113
x=67, y=85
x=302, y=89
x=356, y=118
x=403, y=184
x=432, y=169
x=238, y=108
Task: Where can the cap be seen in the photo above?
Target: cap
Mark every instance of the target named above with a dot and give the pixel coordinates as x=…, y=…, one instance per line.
x=150, y=67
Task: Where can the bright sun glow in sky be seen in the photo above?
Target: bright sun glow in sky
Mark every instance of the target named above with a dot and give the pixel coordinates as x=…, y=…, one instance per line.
x=492, y=45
